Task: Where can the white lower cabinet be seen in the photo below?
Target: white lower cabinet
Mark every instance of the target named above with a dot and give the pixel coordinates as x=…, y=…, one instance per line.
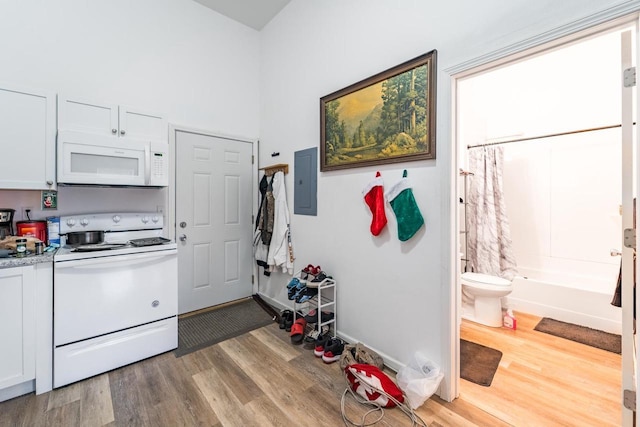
x=18, y=326
x=23, y=331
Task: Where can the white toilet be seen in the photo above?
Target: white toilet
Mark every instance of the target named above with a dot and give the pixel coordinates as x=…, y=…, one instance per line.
x=481, y=298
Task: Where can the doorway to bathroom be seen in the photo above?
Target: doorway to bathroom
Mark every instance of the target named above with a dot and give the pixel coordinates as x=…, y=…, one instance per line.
x=553, y=119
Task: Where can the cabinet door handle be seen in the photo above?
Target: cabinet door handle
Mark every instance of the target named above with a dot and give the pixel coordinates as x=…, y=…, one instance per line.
x=49, y=182
x=114, y=130
x=122, y=132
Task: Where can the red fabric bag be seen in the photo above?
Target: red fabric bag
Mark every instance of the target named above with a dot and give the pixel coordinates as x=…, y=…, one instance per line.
x=366, y=380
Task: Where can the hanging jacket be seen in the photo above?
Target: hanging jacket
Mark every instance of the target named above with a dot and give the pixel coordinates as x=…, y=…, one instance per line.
x=260, y=249
x=280, y=251
x=267, y=214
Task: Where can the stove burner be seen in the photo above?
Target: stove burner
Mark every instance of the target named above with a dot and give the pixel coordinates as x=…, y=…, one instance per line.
x=149, y=241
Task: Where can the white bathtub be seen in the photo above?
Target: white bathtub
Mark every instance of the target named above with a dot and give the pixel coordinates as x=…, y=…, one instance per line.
x=573, y=299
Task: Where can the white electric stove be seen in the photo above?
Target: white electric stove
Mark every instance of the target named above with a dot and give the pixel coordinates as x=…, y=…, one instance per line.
x=115, y=302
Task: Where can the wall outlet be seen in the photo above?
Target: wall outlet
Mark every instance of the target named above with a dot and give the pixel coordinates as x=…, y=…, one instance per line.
x=24, y=213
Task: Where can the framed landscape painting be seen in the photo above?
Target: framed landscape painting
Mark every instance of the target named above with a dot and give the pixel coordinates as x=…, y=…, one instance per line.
x=387, y=118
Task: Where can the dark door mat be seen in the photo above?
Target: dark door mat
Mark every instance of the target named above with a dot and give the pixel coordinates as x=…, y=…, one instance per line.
x=211, y=327
x=582, y=334
x=478, y=363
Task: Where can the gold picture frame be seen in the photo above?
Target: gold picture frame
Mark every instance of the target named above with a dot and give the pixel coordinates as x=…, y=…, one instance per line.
x=387, y=118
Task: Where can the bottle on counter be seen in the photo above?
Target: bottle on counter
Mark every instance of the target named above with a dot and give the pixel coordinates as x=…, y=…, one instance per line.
x=39, y=248
x=21, y=248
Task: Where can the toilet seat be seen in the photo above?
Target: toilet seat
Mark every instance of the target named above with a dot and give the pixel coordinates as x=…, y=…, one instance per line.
x=484, y=279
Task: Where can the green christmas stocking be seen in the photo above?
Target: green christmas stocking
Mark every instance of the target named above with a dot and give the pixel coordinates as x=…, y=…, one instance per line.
x=404, y=205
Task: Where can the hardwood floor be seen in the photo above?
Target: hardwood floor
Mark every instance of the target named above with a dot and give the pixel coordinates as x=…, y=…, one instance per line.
x=544, y=380
x=260, y=379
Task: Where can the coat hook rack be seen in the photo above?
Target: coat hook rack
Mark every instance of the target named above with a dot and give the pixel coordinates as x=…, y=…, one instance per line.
x=280, y=167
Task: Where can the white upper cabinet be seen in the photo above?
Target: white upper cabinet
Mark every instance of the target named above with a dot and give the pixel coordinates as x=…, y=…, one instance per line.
x=87, y=116
x=27, y=138
x=136, y=123
x=110, y=119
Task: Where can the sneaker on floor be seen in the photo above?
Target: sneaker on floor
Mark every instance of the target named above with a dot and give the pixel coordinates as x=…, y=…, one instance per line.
x=364, y=354
x=285, y=316
x=333, y=350
x=348, y=356
x=321, y=341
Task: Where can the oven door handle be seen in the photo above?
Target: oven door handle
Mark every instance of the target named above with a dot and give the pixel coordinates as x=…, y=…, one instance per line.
x=113, y=261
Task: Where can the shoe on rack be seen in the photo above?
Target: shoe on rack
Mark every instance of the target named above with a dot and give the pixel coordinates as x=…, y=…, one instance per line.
x=306, y=295
x=333, y=349
x=309, y=341
x=325, y=316
x=321, y=341
x=319, y=278
x=297, y=291
x=294, y=283
x=310, y=271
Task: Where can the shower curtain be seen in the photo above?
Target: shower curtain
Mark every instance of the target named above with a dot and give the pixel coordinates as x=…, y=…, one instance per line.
x=489, y=242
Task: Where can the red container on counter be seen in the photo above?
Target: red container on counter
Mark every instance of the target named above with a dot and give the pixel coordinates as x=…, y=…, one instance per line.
x=37, y=229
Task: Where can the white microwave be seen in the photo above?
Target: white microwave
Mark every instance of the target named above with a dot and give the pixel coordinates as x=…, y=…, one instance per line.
x=85, y=158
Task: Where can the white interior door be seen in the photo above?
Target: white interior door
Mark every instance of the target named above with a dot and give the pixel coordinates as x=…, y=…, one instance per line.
x=629, y=360
x=213, y=219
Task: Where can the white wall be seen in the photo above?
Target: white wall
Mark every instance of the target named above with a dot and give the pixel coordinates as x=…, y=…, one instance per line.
x=393, y=296
x=171, y=56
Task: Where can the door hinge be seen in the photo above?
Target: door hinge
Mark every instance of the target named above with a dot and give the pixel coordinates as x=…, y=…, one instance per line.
x=251, y=219
x=629, y=400
x=629, y=77
x=630, y=238
x=252, y=156
x=252, y=278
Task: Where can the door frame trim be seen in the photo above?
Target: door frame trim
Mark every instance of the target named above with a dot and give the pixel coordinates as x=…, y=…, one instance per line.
x=171, y=189
x=580, y=29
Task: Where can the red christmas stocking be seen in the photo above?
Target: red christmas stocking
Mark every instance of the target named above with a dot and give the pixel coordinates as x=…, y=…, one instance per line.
x=374, y=197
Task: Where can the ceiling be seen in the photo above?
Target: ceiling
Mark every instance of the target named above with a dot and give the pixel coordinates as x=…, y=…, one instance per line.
x=253, y=13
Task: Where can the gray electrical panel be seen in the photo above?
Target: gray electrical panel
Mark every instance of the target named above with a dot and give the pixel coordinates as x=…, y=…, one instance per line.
x=305, y=177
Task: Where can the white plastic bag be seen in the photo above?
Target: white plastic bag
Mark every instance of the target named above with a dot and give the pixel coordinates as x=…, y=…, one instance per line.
x=419, y=380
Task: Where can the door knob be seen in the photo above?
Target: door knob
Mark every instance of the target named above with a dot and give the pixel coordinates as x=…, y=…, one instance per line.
x=615, y=252
x=183, y=238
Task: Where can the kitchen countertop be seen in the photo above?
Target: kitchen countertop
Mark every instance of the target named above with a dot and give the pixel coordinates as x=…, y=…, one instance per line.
x=27, y=260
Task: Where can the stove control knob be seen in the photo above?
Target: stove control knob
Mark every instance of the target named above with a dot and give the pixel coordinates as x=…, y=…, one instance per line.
x=116, y=218
x=71, y=222
x=155, y=218
x=145, y=219
x=84, y=222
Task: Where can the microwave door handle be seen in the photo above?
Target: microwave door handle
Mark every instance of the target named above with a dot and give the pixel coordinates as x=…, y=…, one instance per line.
x=147, y=164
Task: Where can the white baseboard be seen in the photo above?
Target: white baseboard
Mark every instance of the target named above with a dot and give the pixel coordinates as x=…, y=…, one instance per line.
x=17, y=390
